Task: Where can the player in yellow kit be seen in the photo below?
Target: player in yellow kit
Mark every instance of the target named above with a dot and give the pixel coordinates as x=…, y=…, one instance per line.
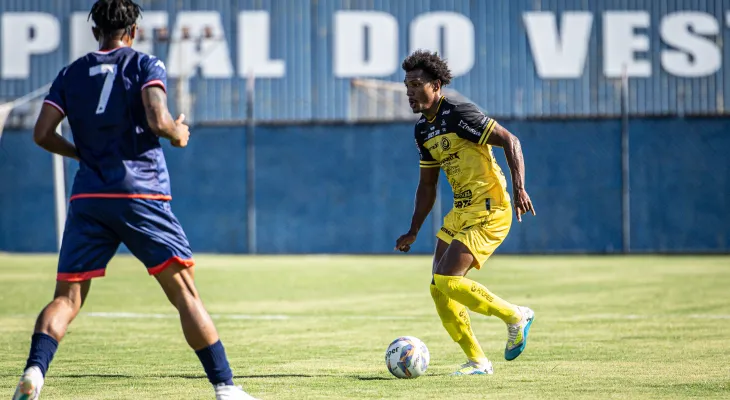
x=458, y=138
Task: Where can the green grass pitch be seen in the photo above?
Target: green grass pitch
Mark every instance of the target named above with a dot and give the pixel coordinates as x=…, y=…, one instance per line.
x=316, y=327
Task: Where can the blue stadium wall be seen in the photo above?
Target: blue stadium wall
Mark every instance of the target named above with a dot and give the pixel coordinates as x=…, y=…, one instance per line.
x=349, y=188
x=515, y=58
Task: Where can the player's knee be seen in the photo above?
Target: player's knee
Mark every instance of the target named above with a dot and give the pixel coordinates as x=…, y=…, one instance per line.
x=446, y=284
x=178, y=285
x=188, y=295
x=54, y=319
x=181, y=296
x=71, y=304
x=71, y=295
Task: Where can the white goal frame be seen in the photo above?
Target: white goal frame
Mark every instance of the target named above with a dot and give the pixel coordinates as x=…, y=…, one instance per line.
x=59, y=170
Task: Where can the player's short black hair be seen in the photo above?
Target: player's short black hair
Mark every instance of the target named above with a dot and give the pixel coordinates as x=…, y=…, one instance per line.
x=430, y=63
x=111, y=16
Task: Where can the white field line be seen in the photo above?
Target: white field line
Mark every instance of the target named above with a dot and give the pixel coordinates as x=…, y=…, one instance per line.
x=275, y=317
x=282, y=317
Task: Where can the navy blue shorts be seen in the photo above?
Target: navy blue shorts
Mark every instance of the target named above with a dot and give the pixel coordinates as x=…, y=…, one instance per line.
x=95, y=227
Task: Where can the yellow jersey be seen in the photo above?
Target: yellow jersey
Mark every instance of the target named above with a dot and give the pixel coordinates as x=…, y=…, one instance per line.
x=455, y=140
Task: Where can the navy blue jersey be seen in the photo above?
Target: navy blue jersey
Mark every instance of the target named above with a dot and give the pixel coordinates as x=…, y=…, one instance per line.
x=101, y=95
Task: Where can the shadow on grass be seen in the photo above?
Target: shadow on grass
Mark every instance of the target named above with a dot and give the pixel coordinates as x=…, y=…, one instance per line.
x=180, y=376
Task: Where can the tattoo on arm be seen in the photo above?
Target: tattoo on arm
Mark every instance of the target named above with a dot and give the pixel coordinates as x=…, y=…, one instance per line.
x=513, y=153
x=158, y=116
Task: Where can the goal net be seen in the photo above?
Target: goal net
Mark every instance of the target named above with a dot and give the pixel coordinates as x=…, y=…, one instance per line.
x=21, y=113
x=378, y=100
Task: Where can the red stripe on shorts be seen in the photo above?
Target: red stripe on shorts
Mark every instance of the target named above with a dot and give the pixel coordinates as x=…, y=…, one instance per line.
x=80, y=276
x=159, y=268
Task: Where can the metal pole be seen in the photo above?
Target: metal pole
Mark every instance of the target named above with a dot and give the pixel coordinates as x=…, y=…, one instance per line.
x=250, y=165
x=625, y=178
x=59, y=193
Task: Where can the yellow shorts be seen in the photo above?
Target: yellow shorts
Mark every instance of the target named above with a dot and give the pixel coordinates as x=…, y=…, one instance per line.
x=480, y=232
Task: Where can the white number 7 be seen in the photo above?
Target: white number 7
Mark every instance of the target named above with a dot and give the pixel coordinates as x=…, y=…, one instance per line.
x=111, y=72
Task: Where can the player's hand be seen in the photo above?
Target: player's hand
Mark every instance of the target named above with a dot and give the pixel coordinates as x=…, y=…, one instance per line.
x=405, y=241
x=182, y=132
x=523, y=204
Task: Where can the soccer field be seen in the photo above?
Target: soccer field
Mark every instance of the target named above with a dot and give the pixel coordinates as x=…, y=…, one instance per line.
x=306, y=327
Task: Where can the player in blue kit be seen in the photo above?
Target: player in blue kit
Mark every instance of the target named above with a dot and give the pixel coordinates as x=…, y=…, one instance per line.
x=116, y=105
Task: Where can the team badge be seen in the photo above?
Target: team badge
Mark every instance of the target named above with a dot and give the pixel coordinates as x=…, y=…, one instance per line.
x=445, y=144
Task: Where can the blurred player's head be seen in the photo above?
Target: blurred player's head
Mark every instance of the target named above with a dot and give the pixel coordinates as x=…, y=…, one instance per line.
x=115, y=19
x=426, y=73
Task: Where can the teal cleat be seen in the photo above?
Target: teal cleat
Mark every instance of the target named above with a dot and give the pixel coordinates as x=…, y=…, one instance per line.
x=517, y=334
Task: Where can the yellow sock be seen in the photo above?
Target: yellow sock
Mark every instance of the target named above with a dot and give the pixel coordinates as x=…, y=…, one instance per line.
x=476, y=297
x=455, y=318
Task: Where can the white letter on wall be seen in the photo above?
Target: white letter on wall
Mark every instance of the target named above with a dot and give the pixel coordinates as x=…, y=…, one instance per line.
x=254, y=38
x=350, y=49
x=620, y=43
x=458, y=38
x=682, y=30
x=25, y=34
x=559, y=56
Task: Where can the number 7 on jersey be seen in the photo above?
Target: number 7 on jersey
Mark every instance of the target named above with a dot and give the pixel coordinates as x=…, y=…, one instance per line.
x=111, y=72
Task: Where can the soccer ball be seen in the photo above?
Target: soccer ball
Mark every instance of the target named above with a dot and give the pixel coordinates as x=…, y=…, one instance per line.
x=407, y=357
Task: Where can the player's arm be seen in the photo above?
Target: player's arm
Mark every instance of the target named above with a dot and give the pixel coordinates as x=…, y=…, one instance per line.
x=471, y=124
x=425, y=197
x=154, y=98
x=52, y=113
x=45, y=136
x=501, y=137
x=159, y=119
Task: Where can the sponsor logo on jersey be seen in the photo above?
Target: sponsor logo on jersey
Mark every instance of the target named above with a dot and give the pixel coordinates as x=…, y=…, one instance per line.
x=462, y=204
x=160, y=64
x=450, y=157
x=468, y=128
x=432, y=134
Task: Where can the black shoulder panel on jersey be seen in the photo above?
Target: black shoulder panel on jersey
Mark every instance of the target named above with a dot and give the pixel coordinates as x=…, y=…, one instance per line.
x=470, y=123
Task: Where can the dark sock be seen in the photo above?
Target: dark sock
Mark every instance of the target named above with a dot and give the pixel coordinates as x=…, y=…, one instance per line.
x=42, y=349
x=215, y=364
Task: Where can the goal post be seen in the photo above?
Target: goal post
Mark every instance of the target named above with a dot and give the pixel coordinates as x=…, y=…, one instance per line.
x=30, y=105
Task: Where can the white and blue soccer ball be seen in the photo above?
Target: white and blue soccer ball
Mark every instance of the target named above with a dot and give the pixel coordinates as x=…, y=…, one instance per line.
x=407, y=357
